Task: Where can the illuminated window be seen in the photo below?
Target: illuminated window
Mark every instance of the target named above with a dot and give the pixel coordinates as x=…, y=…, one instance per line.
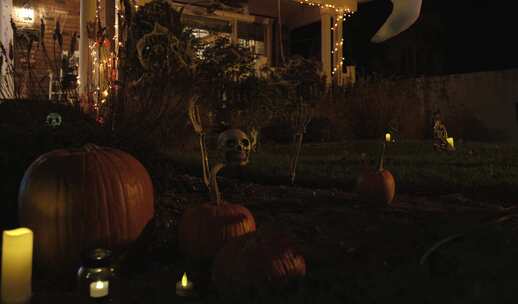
x=251, y=35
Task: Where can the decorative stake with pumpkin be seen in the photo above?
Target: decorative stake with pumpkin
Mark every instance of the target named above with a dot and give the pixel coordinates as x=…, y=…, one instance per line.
x=204, y=229
x=76, y=199
x=194, y=116
x=377, y=186
x=302, y=118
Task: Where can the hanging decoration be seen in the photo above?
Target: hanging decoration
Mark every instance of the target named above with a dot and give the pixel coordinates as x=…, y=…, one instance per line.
x=404, y=14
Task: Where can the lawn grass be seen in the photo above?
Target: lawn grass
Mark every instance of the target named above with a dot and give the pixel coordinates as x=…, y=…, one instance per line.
x=480, y=169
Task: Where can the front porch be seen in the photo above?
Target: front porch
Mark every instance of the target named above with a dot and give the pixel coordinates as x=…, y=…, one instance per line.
x=258, y=25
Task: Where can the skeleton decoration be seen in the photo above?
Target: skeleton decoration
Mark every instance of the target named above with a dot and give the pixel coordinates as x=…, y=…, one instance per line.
x=440, y=135
x=235, y=147
x=153, y=49
x=54, y=120
x=404, y=14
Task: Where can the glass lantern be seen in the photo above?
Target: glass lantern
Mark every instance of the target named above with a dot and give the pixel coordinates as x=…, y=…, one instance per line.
x=97, y=280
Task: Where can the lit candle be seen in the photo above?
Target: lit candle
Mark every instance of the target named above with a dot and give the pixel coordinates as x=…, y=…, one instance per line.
x=99, y=289
x=450, y=142
x=184, y=287
x=387, y=137
x=17, y=265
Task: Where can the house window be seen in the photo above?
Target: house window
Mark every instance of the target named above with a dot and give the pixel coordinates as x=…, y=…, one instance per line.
x=251, y=35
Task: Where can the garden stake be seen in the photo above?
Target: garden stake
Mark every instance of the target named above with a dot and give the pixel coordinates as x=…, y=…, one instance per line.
x=194, y=116
x=302, y=119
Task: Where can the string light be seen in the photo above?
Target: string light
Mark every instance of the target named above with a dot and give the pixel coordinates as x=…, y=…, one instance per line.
x=342, y=17
x=339, y=9
x=103, y=63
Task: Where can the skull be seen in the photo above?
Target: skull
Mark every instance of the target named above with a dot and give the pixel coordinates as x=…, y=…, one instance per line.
x=54, y=120
x=234, y=146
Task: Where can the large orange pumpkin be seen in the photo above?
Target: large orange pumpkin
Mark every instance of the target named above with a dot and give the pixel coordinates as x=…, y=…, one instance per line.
x=260, y=263
x=204, y=229
x=377, y=186
x=77, y=199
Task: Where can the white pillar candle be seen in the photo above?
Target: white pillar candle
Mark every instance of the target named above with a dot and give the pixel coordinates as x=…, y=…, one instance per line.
x=99, y=289
x=17, y=266
x=387, y=137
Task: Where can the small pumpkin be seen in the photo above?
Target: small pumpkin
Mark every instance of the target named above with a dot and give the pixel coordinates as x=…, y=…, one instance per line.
x=377, y=186
x=76, y=199
x=259, y=263
x=204, y=229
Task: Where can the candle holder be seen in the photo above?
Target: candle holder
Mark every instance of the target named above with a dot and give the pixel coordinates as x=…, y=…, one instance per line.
x=97, y=280
x=184, y=287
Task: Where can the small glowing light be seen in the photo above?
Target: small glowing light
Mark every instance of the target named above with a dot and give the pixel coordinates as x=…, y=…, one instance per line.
x=184, y=288
x=184, y=280
x=387, y=137
x=450, y=142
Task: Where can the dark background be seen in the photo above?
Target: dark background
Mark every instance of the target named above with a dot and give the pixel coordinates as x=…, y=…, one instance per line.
x=450, y=36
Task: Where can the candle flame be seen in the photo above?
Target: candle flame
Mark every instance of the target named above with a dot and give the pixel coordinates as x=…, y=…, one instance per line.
x=387, y=137
x=99, y=285
x=184, y=280
x=450, y=141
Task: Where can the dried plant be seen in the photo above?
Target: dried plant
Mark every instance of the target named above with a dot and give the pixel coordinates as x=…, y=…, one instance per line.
x=305, y=88
x=145, y=105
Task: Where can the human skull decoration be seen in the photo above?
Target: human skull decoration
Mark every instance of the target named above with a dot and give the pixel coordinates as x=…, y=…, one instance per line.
x=54, y=120
x=234, y=147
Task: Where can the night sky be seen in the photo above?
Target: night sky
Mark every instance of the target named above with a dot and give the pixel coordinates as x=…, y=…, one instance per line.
x=451, y=36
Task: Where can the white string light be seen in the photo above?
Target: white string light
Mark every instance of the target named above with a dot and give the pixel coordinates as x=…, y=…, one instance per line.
x=340, y=10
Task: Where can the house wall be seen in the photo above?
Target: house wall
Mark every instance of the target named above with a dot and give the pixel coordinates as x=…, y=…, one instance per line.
x=67, y=12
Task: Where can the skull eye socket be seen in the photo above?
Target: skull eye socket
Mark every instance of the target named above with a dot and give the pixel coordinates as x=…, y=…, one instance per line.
x=231, y=143
x=245, y=142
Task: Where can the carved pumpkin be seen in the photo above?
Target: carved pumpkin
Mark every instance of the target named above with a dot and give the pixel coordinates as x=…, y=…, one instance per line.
x=377, y=186
x=204, y=229
x=262, y=262
x=76, y=199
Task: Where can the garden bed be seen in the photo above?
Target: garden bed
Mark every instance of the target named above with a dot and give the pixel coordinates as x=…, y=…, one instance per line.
x=355, y=252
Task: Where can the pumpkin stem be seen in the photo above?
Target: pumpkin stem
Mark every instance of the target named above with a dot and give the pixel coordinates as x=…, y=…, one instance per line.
x=214, y=189
x=381, y=157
